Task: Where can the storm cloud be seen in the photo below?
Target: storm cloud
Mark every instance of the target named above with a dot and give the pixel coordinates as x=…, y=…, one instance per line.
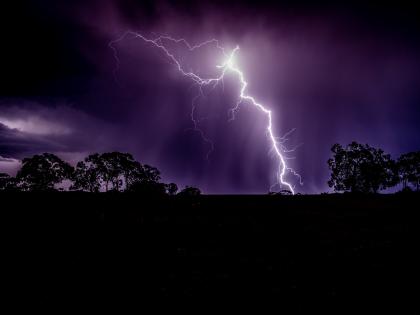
x=336, y=73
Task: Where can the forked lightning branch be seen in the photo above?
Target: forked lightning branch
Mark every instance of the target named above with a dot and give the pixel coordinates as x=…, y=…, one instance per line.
x=228, y=66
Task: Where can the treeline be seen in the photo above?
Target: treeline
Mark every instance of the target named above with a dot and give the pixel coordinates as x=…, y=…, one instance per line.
x=354, y=168
x=362, y=168
x=111, y=171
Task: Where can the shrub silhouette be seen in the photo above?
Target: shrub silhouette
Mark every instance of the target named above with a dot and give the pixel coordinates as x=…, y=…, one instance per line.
x=189, y=191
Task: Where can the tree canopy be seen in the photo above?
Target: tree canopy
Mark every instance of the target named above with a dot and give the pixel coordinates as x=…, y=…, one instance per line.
x=409, y=169
x=42, y=172
x=361, y=168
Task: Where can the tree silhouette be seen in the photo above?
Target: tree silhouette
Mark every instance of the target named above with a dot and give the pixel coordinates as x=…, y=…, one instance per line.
x=108, y=170
x=111, y=169
x=118, y=168
x=361, y=168
x=145, y=179
x=128, y=168
x=86, y=176
x=409, y=169
x=42, y=172
x=149, y=174
x=118, y=171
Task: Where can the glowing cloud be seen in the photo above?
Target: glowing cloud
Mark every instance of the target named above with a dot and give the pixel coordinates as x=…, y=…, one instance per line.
x=35, y=125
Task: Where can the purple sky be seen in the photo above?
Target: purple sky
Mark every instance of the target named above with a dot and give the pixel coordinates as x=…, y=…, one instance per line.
x=336, y=73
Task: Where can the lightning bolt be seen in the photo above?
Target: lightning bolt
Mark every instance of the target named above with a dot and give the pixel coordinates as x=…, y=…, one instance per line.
x=277, y=144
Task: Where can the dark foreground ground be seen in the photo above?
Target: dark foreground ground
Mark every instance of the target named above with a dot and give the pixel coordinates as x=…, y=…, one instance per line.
x=338, y=253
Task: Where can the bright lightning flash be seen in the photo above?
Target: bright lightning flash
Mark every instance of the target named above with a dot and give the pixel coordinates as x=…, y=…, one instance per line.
x=229, y=65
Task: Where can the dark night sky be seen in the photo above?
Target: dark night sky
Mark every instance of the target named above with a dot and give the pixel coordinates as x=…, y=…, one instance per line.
x=336, y=73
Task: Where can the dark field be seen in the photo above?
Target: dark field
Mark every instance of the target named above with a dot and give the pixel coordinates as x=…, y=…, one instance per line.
x=338, y=253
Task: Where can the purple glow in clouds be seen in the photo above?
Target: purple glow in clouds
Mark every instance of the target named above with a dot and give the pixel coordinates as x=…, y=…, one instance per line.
x=228, y=65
